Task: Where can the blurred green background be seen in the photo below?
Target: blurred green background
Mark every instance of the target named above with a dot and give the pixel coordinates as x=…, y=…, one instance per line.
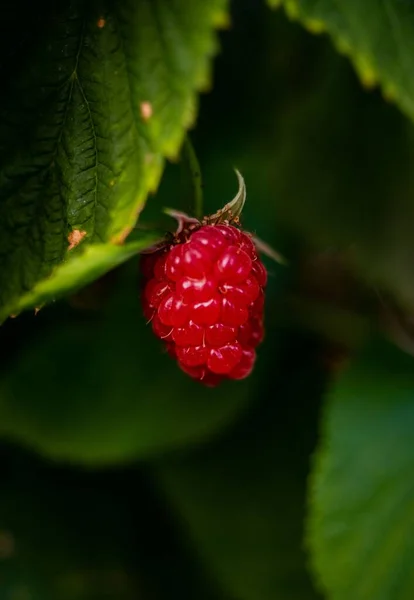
x=121, y=479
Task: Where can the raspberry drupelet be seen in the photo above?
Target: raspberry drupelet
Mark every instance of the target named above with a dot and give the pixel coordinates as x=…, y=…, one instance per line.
x=204, y=296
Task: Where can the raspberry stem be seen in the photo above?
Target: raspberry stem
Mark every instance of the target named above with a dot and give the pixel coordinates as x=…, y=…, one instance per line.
x=193, y=165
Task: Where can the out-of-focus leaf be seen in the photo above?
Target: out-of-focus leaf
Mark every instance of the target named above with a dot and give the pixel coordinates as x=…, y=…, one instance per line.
x=71, y=542
x=105, y=390
x=81, y=269
x=89, y=536
x=241, y=500
x=361, y=527
x=325, y=162
x=98, y=94
x=377, y=36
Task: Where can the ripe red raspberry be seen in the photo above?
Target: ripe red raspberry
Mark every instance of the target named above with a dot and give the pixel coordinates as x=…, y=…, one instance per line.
x=203, y=294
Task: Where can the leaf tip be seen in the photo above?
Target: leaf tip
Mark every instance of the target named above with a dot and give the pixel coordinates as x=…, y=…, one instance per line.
x=366, y=72
x=221, y=19
x=315, y=26
x=275, y=3
x=389, y=92
x=292, y=9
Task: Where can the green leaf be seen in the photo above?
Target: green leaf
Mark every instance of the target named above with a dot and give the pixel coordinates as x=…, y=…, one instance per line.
x=79, y=270
x=377, y=36
x=99, y=93
x=361, y=526
x=109, y=391
x=240, y=500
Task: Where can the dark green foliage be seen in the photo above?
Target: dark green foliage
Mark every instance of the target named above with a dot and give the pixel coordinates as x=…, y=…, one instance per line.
x=121, y=478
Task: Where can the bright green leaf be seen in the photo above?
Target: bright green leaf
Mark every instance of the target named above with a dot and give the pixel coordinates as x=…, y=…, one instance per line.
x=361, y=530
x=99, y=93
x=377, y=36
x=79, y=270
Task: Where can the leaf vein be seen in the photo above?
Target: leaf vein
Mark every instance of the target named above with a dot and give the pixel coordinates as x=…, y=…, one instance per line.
x=95, y=150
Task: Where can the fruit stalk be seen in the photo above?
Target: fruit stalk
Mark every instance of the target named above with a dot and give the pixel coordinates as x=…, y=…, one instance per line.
x=195, y=175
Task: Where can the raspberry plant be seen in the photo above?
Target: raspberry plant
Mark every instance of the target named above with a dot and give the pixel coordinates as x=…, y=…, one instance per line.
x=204, y=297
x=292, y=479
